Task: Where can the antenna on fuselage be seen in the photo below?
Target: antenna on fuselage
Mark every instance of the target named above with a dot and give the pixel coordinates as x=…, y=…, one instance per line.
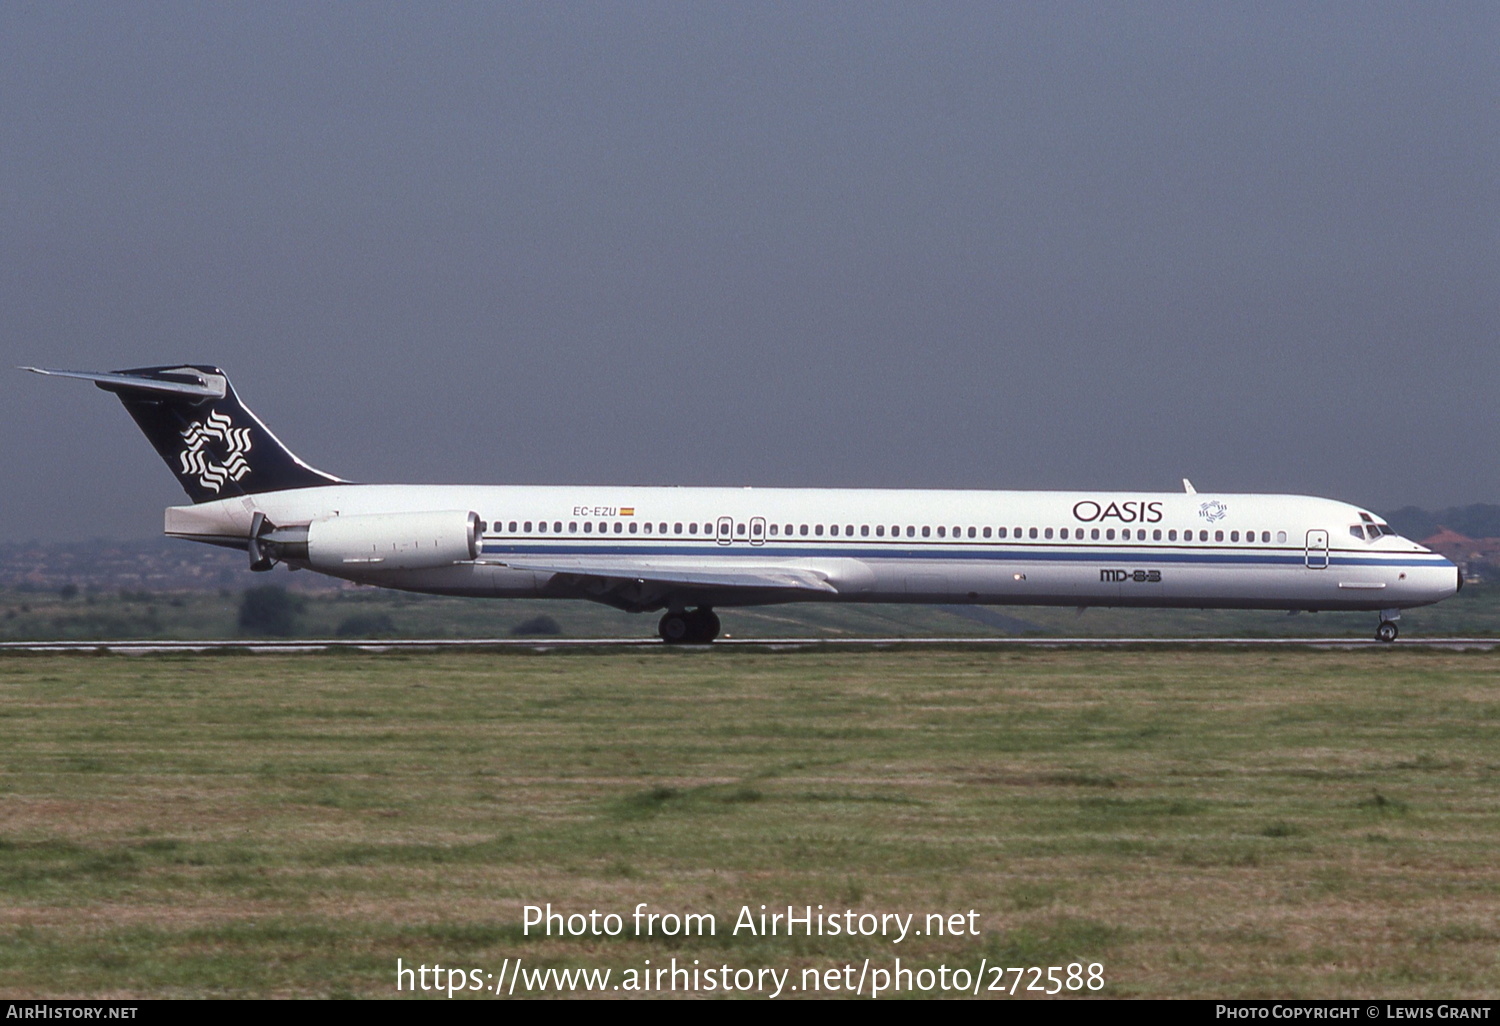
x=1187, y=486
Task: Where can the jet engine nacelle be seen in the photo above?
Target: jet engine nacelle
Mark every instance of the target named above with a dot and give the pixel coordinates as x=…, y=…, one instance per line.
x=393, y=541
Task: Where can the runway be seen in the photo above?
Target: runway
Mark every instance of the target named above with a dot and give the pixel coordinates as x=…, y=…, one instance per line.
x=286, y=647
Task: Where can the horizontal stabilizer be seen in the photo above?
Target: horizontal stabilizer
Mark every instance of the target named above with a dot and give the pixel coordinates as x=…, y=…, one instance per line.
x=207, y=388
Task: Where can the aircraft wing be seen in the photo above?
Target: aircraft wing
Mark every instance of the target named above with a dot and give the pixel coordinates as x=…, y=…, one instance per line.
x=629, y=569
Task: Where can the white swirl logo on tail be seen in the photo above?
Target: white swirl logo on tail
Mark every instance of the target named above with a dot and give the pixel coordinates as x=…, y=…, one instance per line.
x=199, y=463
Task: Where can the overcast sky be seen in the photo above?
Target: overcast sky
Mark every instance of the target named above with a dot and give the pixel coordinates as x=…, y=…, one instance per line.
x=936, y=245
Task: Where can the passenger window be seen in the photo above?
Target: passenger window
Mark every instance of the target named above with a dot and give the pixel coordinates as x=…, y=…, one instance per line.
x=911, y=530
x=818, y=530
x=926, y=532
x=634, y=527
x=774, y=529
x=619, y=527
x=848, y=530
x=739, y=530
x=1062, y=533
x=1031, y=533
x=526, y=528
x=1265, y=536
x=1109, y=535
x=572, y=527
x=864, y=530
x=588, y=527
x=541, y=527
x=1047, y=533
x=648, y=527
x=1218, y=536
x=693, y=528
x=1093, y=534
x=676, y=528
x=1234, y=536
x=880, y=530
x=1156, y=535
x=1171, y=535
x=1125, y=534
x=941, y=532
x=1281, y=536
x=986, y=532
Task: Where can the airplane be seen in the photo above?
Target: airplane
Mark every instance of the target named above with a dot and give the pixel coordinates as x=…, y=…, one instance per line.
x=688, y=551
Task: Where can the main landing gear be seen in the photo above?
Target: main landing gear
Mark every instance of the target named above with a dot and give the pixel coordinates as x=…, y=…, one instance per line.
x=1388, y=630
x=680, y=627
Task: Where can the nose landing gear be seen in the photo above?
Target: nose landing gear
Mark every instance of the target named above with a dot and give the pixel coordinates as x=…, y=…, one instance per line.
x=1388, y=630
x=681, y=627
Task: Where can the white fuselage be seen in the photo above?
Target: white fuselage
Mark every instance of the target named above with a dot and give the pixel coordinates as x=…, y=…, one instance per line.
x=989, y=547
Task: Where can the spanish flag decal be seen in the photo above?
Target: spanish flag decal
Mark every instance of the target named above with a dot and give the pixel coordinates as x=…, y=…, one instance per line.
x=627, y=511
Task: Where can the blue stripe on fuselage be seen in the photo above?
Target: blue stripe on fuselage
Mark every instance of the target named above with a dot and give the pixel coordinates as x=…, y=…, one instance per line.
x=861, y=550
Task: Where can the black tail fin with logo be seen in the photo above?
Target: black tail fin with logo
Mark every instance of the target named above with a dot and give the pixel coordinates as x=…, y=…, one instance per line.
x=210, y=440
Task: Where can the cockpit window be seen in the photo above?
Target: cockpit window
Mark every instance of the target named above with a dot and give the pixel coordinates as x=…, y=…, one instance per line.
x=1357, y=531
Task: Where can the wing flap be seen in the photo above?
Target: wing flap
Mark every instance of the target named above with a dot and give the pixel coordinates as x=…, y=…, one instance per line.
x=759, y=576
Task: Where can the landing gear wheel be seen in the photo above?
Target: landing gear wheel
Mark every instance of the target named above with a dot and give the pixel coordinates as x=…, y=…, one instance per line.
x=696, y=628
x=1387, y=631
x=704, y=625
x=674, y=628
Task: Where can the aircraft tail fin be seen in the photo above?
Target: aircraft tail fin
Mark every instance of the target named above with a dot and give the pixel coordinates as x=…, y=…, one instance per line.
x=209, y=439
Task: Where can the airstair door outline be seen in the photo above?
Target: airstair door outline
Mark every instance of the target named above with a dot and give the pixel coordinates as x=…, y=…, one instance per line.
x=1317, y=550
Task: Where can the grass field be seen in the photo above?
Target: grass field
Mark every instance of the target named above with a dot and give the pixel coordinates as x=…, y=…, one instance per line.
x=1207, y=823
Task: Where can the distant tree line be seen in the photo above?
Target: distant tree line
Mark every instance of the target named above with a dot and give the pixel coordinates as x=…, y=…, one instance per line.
x=1481, y=520
x=269, y=611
